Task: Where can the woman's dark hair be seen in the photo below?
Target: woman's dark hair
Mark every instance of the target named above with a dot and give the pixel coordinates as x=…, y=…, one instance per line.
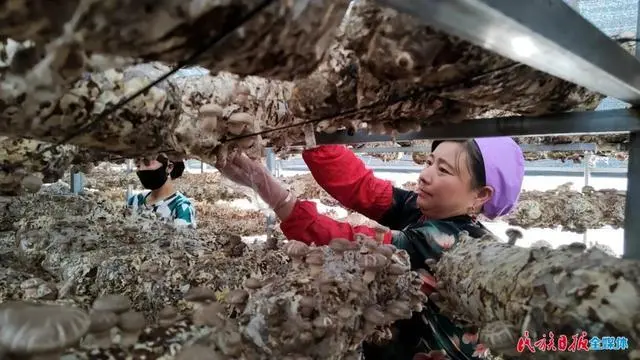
x=178, y=166
x=475, y=162
x=178, y=169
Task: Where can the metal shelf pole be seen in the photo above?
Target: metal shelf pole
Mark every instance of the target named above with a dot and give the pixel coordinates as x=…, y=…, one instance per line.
x=587, y=176
x=129, y=192
x=632, y=207
x=573, y=123
x=77, y=183
x=631, y=248
x=577, y=147
x=271, y=166
x=547, y=35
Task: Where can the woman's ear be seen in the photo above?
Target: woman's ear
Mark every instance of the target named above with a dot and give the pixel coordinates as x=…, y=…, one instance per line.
x=484, y=194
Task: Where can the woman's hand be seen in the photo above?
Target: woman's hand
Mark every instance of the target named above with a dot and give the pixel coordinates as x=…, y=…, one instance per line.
x=240, y=169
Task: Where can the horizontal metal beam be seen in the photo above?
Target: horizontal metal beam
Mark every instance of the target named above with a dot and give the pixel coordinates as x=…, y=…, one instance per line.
x=574, y=123
x=525, y=148
x=530, y=171
x=547, y=35
x=577, y=147
x=392, y=149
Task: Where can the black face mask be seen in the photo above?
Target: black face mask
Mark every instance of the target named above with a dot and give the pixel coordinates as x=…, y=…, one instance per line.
x=153, y=179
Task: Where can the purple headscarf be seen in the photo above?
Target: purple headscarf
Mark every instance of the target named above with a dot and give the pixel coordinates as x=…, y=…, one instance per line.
x=504, y=172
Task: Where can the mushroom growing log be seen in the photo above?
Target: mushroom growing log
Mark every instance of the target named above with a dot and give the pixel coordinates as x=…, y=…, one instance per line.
x=422, y=81
x=608, y=145
x=390, y=67
x=572, y=210
x=508, y=290
x=186, y=117
x=27, y=164
x=612, y=146
x=575, y=211
x=182, y=116
x=321, y=316
x=321, y=308
x=284, y=39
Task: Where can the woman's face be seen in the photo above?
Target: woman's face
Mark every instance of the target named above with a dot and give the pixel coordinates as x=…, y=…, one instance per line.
x=444, y=186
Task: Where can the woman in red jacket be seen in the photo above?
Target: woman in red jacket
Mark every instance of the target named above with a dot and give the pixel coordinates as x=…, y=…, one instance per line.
x=461, y=180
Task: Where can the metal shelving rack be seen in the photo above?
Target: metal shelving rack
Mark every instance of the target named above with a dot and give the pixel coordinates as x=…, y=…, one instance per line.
x=549, y=36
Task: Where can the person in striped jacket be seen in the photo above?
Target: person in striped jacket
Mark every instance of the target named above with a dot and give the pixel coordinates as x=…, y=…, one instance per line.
x=157, y=177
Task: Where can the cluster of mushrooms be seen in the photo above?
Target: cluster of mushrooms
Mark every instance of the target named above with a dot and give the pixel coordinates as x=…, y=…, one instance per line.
x=333, y=297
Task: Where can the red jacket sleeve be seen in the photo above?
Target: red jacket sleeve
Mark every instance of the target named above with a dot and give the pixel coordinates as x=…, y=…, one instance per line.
x=345, y=177
x=307, y=225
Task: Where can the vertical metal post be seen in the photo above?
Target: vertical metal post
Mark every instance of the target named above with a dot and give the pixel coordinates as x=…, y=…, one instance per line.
x=271, y=166
x=77, y=183
x=588, y=157
x=631, y=248
x=271, y=160
x=201, y=167
x=632, y=205
x=129, y=192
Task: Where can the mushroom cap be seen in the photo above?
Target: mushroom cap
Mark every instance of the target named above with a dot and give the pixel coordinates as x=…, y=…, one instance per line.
x=211, y=110
x=113, y=302
x=236, y=297
x=514, y=233
x=241, y=118
x=168, y=312
x=345, y=312
x=541, y=244
x=31, y=283
x=402, y=256
x=33, y=329
x=209, y=315
x=102, y=321
x=200, y=293
x=370, y=243
x=297, y=248
x=397, y=269
x=253, y=283
x=315, y=258
x=131, y=321
x=373, y=315
x=360, y=237
x=307, y=301
x=400, y=309
x=31, y=183
x=387, y=250
x=358, y=287
x=198, y=352
x=373, y=261
x=340, y=244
